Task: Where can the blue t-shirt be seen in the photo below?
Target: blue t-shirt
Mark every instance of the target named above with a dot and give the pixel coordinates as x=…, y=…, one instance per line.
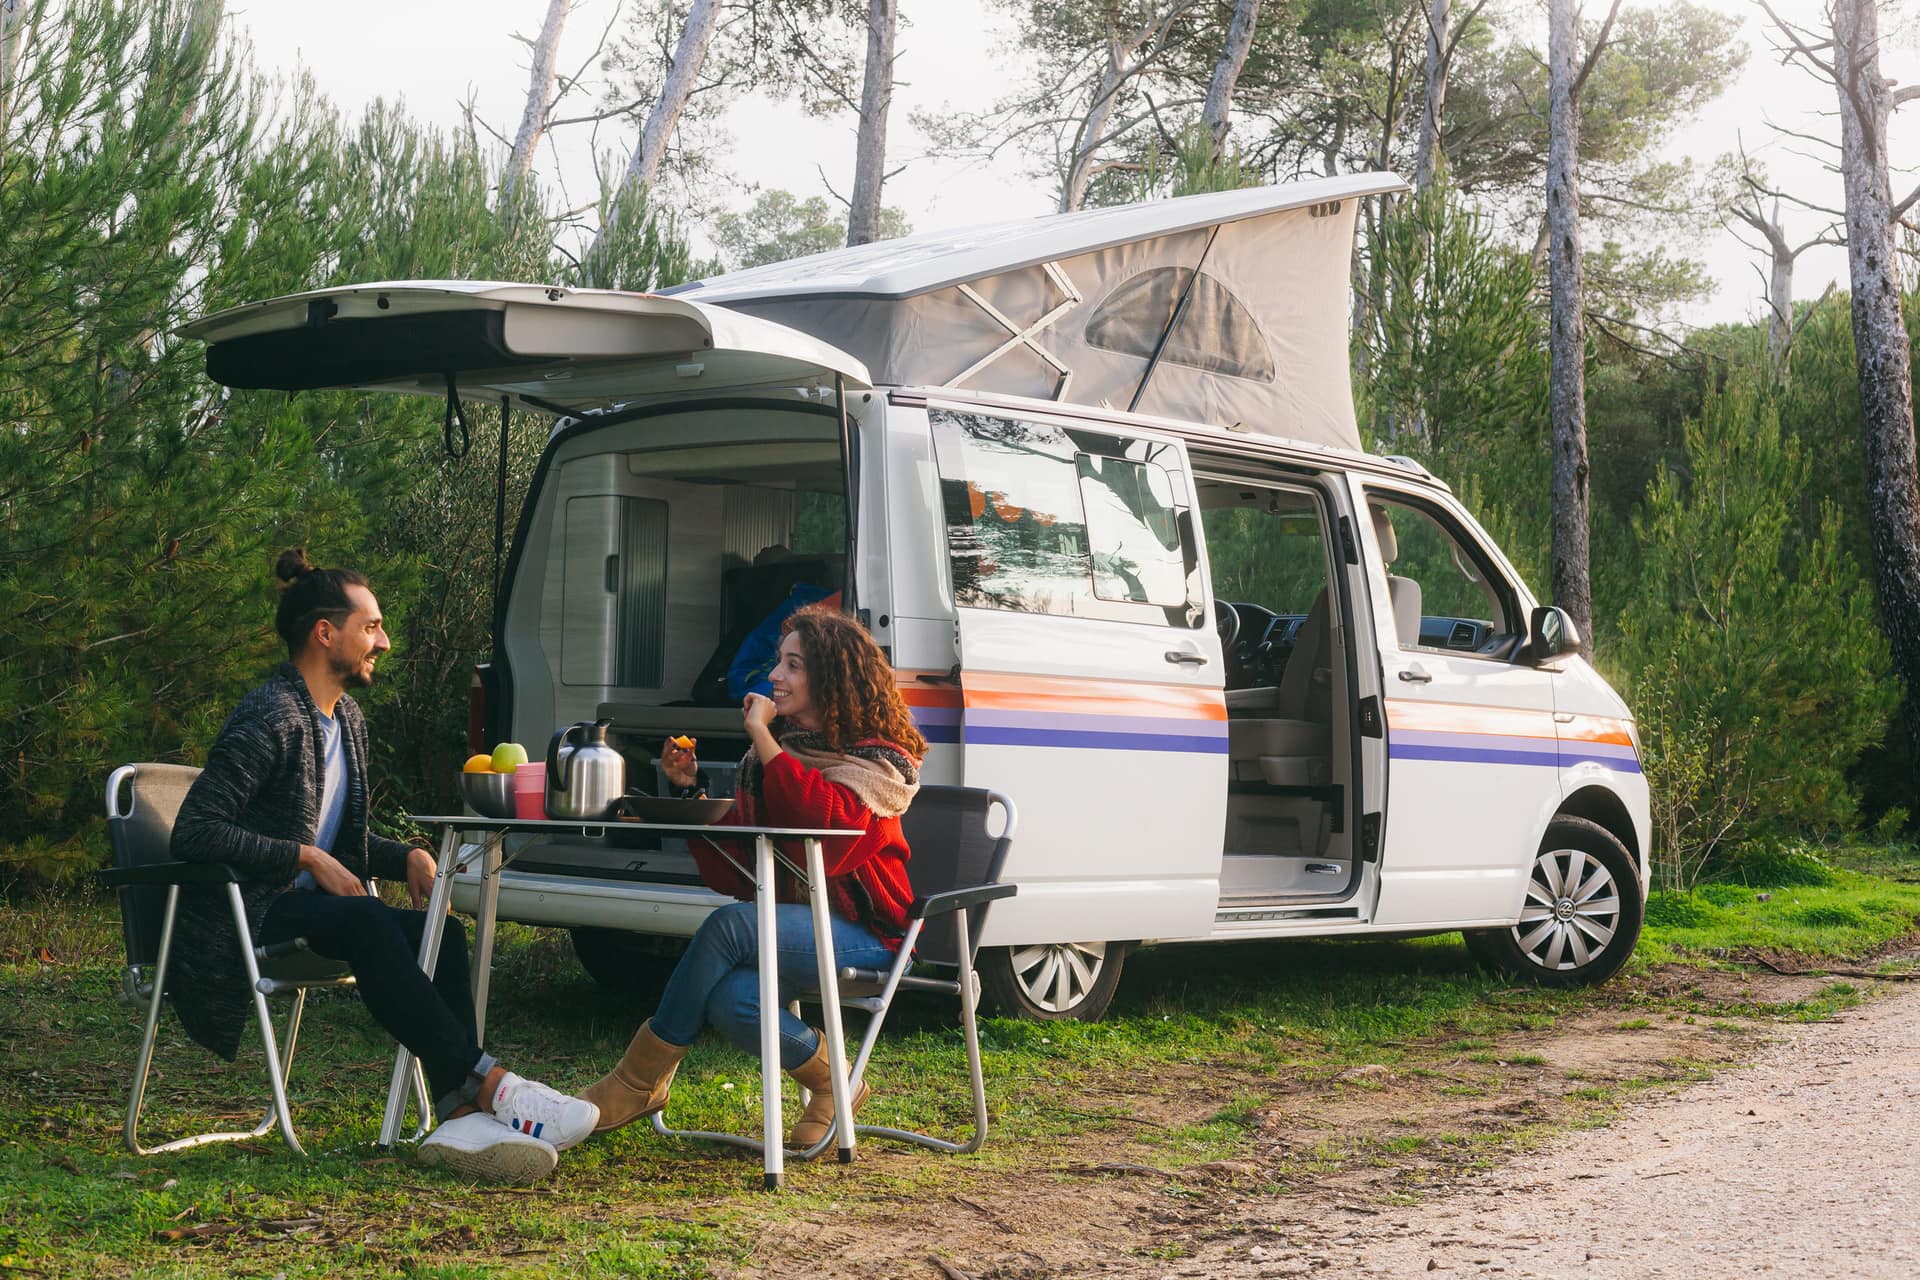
x=333, y=793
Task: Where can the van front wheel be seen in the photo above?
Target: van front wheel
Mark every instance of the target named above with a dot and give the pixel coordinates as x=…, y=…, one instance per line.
x=1053, y=981
x=1582, y=912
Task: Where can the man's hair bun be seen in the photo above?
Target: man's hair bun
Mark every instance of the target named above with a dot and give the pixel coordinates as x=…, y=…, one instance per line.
x=308, y=594
x=292, y=566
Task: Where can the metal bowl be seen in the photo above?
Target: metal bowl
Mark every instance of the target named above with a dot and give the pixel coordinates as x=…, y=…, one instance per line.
x=488, y=794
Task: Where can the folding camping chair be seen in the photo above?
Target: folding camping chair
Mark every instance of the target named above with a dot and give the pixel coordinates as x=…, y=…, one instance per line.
x=954, y=866
x=149, y=882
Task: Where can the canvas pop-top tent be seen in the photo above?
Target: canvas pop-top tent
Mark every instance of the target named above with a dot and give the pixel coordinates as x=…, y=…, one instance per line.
x=1229, y=308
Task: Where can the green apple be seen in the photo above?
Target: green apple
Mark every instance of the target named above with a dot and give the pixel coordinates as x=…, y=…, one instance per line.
x=508, y=756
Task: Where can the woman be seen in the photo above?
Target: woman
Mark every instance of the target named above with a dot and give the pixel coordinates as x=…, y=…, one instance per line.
x=833, y=747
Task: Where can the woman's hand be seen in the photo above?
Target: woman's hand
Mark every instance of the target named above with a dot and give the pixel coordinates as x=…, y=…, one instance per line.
x=679, y=764
x=757, y=713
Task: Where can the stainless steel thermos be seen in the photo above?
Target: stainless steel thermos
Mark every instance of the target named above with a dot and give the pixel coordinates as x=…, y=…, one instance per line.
x=585, y=776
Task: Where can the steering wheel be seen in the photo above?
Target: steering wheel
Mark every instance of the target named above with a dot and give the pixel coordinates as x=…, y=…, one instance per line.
x=1226, y=621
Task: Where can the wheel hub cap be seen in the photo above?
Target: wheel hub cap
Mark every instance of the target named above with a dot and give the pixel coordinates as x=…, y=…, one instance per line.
x=1571, y=912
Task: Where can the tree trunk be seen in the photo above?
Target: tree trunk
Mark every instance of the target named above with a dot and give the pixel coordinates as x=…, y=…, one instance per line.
x=876, y=97
x=688, y=54
x=13, y=15
x=1779, y=300
x=1880, y=342
x=1226, y=73
x=1567, y=342
x=1426, y=153
x=1093, y=126
x=533, y=120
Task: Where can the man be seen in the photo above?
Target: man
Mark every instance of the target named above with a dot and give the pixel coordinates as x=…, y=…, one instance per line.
x=283, y=801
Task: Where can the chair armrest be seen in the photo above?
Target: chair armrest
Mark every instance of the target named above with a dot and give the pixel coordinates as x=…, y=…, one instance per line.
x=170, y=873
x=940, y=904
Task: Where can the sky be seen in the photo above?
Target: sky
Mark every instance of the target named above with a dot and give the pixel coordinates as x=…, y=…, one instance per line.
x=436, y=55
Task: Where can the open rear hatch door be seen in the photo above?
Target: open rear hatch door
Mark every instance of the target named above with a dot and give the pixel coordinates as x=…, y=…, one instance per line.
x=546, y=348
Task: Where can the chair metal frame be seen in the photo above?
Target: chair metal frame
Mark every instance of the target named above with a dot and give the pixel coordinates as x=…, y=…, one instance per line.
x=872, y=992
x=282, y=968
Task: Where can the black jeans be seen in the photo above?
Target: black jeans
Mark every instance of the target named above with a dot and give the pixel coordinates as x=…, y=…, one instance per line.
x=433, y=1017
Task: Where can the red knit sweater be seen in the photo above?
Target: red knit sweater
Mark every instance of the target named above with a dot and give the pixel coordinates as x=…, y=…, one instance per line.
x=866, y=877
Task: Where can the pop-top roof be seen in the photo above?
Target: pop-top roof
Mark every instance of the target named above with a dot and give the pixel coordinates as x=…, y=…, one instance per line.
x=1229, y=308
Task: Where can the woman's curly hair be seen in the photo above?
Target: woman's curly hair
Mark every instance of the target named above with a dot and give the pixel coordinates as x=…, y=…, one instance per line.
x=850, y=681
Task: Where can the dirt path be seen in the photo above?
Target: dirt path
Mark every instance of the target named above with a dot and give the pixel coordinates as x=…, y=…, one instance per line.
x=1801, y=1158
x=1806, y=1164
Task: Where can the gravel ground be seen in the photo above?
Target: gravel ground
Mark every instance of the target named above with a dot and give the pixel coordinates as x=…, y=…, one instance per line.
x=1805, y=1164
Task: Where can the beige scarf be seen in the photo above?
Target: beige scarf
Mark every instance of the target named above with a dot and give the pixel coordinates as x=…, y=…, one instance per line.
x=884, y=776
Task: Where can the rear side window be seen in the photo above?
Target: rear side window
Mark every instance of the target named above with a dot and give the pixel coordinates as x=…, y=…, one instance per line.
x=1216, y=331
x=1046, y=519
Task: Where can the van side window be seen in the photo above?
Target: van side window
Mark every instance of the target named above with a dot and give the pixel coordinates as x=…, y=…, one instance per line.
x=1444, y=594
x=1133, y=529
x=1045, y=519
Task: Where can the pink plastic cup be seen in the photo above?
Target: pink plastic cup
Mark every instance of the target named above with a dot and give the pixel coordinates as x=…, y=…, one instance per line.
x=530, y=790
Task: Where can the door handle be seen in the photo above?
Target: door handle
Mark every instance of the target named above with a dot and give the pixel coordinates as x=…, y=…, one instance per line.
x=1415, y=674
x=1190, y=659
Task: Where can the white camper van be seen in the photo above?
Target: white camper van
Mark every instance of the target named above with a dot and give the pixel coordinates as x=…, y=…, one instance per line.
x=1094, y=483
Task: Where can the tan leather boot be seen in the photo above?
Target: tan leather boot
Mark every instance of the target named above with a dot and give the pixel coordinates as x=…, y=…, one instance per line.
x=816, y=1074
x=639, y=1083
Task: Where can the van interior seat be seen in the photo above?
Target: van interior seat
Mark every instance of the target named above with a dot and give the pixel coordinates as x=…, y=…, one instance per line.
x=748, y=594
x=1284, y=736
x=1402, y=593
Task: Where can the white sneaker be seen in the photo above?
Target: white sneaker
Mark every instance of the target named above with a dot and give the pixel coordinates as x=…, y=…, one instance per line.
x=531, y=1108
x=474, y=1146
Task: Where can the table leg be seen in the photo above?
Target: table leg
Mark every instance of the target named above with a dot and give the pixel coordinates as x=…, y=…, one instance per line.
x=770, y=1073
x=483, y=929
x=830, y=999
x=429, y=957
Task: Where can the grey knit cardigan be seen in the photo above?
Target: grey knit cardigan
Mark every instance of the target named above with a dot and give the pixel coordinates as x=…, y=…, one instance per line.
x=255, y=804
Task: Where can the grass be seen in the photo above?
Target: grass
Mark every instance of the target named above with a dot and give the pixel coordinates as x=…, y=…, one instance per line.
x=1239, y=1019
x=1839, y=905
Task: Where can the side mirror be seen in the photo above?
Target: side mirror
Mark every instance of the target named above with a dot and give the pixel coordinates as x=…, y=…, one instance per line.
x=1550, y=633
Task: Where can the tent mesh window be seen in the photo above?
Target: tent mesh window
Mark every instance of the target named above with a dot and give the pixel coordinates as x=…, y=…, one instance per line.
x=1216, y=332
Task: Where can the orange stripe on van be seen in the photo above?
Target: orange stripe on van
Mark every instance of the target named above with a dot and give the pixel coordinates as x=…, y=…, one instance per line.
x=1459, y=717
x=1092, y=697
x=918, y=693
x=1596, y=729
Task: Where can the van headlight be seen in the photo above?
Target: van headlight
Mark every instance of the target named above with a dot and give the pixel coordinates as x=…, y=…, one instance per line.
x=1633, y=736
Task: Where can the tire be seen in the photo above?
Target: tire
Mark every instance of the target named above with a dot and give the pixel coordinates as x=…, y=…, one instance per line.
x=1570, y=936
x=625, y=962
x=1053, y=981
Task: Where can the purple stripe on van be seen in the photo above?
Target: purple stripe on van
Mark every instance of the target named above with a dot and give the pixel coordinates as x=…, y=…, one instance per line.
x=924, y=716
x=1488, y=748
x=1010, y=736
x=1487, y=741
x=1148, y=726
x=937, y=732
x=1474, y=755
x=1604, y=753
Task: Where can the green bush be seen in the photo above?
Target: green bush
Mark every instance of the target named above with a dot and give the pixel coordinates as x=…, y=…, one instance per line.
x=1667, y=909
x=1830, y=916
x=1748, y=644
x=1777, y=867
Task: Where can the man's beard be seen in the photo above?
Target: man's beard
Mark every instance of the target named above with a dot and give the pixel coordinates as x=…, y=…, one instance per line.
x=353, y=675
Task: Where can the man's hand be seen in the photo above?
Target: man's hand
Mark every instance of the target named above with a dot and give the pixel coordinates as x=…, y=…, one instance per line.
x=421, y=870
x=329, y=875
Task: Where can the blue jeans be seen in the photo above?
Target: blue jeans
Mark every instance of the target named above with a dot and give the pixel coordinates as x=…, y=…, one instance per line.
x=718, y=979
